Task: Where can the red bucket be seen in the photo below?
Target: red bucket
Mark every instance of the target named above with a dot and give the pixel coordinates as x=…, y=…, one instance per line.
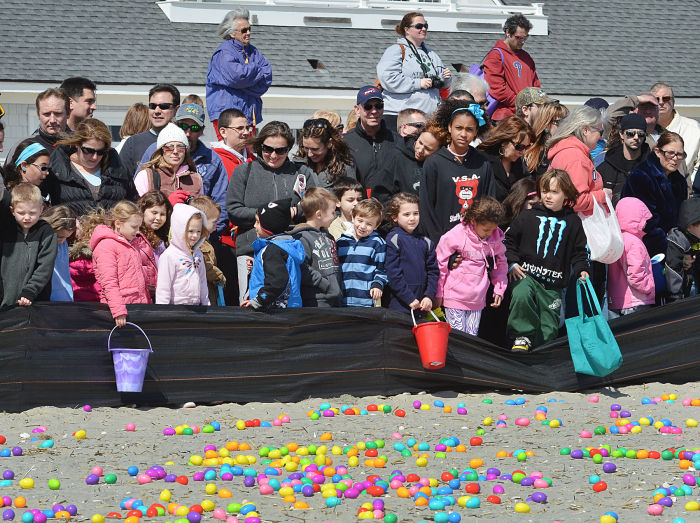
x=431, y=338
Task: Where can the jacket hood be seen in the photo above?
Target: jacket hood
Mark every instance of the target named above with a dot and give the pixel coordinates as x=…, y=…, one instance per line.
x=287, y=243
x=615, y=156
x=102, y=232
x=79, y=249
x=406, y=147
x=571, y=144
x=632, y=215
x=689, y=213
x=497, y=236
x=178, y=224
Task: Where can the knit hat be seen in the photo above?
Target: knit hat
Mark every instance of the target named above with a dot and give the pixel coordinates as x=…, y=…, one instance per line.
x=275, y=216
x=172, y=133
x=532, y=95
x=597, y=103
x=633, y=121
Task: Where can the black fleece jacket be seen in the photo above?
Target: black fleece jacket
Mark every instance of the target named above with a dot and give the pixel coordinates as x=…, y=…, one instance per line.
x=370, y=154
x=401, y=172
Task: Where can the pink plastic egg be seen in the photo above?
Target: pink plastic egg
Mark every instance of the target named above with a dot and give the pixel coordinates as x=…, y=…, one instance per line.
x=522, y=422
x=130, y=427
x=266, y=490
x=593, y=399
x=502, y=417
x=540, y=483
x=143, y=478
x=286, y=419
x=655, y=509
x=97, y=471
x=396, y=435
x=585, y=434
x=277, y=422
x=219, y=513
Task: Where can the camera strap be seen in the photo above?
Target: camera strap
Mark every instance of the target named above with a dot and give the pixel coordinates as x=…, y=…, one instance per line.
x=424, y=67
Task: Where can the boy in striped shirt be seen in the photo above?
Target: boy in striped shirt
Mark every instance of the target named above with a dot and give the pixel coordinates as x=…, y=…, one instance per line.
x=361, y=255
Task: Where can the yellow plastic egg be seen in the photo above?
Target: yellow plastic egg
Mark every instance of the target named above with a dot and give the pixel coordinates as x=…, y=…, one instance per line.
x=182, y=511
x=522, y=508
x=208, y=505
x=81, y=434
x=26, y=483
x=636, y=430
x=607, y=519
x=422, y=462
x=210, y=488
x=223, y=452
x=353, y=461
x=644, y=421
x=690, y=422
x=336, y=450
x=196, y=459
x=462, y=501
x=291, y=466
x=658, y=424
x=555, y=425
x=488, y=422
x=240, y=424
x=165, y=495
x=692, y=506
x=673, y=396
x=97, y=518
x=425, y=406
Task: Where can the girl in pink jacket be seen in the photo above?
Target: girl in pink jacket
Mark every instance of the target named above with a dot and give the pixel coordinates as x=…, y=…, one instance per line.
x=182, y=275
x=630, y=279
x=117, y=263
x=479, y=242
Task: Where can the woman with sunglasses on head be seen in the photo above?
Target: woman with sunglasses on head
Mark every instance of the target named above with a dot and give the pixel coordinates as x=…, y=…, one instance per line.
x=657, y=183
x=268, y=178
x=504, y=148
x=546, y=122
x=410, y=73
x=29, y=163
x=171, y=167
x=323, y=151
x=86, y=170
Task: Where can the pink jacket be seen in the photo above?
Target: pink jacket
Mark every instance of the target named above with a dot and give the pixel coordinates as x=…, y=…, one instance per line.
x=149, y=263
x=572, y=155
x=82, y=276
x=630, y=279
x=465, y=286
x=118, y=270
x=182, y=275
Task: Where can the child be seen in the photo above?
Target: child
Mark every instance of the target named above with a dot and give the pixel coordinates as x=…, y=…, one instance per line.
x=215, y=277
x=682, y=263
x=522, y=195
x=156, y=209
x=117, y=263
x=362, y=254
x=62, y=221
x=411, y=265
x=275, y=281
x=348, y=192
x=182, y=275
x=479, y=242
x=320, y=272
x=82, y=273
x=630, y=279
x=29, y=247
x=541, y=245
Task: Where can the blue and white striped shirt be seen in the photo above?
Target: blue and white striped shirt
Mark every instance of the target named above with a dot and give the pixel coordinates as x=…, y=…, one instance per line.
x=362, y=263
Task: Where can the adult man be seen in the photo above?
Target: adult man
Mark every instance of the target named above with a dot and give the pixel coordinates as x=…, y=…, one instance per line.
x=163, y=101
x=528, y=102
x=621, y=159
x=238, y=74
x=644, y=104
x=81, y=93
x=370, y=142
x=409, y=122
x=476, y=86
x=688, y=128
x=508, y=69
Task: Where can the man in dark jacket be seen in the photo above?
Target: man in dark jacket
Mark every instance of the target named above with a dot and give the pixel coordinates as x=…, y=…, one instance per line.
x=371, y=142
x=683, y=251
x=621, y=159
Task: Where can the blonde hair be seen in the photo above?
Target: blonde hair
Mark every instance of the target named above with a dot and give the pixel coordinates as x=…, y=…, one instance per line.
x=157, y=159
x=122, y=211
x=333, y=118
x=317, y=199
x=207, y=206
x=369, y=208
x=573, y=125
x=351, y=122
x=26, y=193
x=135, y=121
x=60, y=218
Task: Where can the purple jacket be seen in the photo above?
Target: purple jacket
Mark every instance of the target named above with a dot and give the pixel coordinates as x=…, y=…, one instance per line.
x=237, y=77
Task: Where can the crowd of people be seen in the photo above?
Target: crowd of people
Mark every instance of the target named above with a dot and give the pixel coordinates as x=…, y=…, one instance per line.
x=460, y=191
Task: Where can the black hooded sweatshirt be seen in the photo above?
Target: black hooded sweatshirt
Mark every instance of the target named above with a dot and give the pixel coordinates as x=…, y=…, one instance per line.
x=401, y=172
x=681, y=243
x=370, y=154
x=615, y=169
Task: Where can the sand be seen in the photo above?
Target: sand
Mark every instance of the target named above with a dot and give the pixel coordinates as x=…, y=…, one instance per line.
x=570, y=498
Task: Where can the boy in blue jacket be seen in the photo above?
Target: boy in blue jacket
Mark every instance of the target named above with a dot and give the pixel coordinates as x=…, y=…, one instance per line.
x=275, y=281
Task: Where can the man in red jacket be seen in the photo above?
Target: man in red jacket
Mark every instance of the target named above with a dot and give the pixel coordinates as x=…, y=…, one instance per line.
x=508, y=69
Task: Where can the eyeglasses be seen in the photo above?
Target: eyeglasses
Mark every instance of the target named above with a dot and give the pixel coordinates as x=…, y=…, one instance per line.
x=370, y=107
x=42, y=168
x=245, y=30
x=174, y=148
x=163, y=106
x=631, y=133
x=521, y=38
x=195, y=128
x=90, y=151
x=279, y=151
x=664, y=99
x=420, y=26
x=317, y=123
x=417, y=125
x=670, y=155
x=242, y=129
x=519, y=146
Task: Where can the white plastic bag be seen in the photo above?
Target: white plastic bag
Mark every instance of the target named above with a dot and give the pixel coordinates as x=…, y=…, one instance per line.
x=603, y=233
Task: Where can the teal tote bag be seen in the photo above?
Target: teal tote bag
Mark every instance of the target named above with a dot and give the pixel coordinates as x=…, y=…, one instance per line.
x=594, y=350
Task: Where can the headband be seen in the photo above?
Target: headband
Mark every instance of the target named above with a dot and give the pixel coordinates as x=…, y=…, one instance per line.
x=29, y=151
x=534, y=193
x=477, y=112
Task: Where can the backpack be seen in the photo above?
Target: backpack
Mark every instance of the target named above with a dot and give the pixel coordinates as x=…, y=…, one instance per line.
x=478, y=70
x=377, y=83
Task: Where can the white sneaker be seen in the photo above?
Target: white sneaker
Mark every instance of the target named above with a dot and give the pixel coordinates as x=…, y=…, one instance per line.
x=521, y=344
x=189, y=405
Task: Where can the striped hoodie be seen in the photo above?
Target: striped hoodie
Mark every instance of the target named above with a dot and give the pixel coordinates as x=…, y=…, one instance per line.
x=362, y=264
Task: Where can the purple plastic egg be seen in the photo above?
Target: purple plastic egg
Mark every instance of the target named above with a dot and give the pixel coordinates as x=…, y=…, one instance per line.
x=352, y=493
x=8, y=474
x=498, y=489
x=539, y=497
x=7, y=501
x=170, y=478
x=689, y=480
x=615, y=406
x=417, y=404
x=461, y=410
x=249, y=481
x=577, y=454
x=152, y=474
x=252, y=519
x=527, y=482
x=493, y=470
x=506, y=477
x=92, y=479
x=440, y=447
x=198, y=476
x=625, y=414
x=58, y=508
x=72, y=510
x=40, y=518
x=226, y=476
x=490, y=477
x=609, y=467
x=16, y=451
x=168, y=431
x=665, y=502
x=378, y=504
x=194, y=517
x=8, y=515
x=209, y=447
x=307, y=491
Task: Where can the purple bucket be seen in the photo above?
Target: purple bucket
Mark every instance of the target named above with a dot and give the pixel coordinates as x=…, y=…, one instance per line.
x=129, y=364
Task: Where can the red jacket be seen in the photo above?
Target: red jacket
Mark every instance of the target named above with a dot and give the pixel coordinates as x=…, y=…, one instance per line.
x=507, y=77
x=118, y=270
x=148, y=262
x=231, y=161
x=82, y=276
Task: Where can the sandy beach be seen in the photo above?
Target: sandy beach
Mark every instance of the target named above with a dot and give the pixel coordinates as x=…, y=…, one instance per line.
x=571, y=497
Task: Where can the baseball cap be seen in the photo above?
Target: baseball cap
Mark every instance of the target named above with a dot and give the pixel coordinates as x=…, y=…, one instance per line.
x=190, y=112
x=366, y=93
x=532, y=95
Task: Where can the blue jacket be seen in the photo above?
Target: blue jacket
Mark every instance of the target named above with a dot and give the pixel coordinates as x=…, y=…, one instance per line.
x=362, y=263
x=662, y=195
x=214, y=178
x=275, y=281
x=238, y=75
x=411, y=267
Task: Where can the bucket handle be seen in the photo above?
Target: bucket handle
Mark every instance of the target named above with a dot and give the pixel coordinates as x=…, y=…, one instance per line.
x=109, y=340
x=414, y=318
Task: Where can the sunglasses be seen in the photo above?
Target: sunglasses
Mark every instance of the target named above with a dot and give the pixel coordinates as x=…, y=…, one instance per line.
x=370, y=107
x=420, y=26
x=519, y=146
x=632, y=133
x=317, y=123
x=279, y=151
x=174, y=148
x=90, y=151
x=521, y=38
x=195, y=128
x=664, y=99
x=163, y=107
x=417, y=125
x=245, y=30
x=42, y=168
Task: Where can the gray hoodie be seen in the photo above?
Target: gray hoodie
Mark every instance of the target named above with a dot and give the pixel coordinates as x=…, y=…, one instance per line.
x=320, y=272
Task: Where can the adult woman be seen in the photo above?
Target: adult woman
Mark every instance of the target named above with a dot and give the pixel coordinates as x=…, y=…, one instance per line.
x=171, y=167
x=323, y=150
x=135, y=122
x=270, y=177
x=657, y=182
x=87, y=172
x=456, y=174
x=29, y=163
x=410, y=73
x=504, y=149
x=546, y=123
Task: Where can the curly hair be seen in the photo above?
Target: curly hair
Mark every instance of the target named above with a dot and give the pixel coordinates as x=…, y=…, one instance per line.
x=338, y=155
x=87, y=224
x=158, y=158
x=156, y=199
x=440, y=134
x=445, y=114
x=513, y=22
x=483, y=210
x=393, y=206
